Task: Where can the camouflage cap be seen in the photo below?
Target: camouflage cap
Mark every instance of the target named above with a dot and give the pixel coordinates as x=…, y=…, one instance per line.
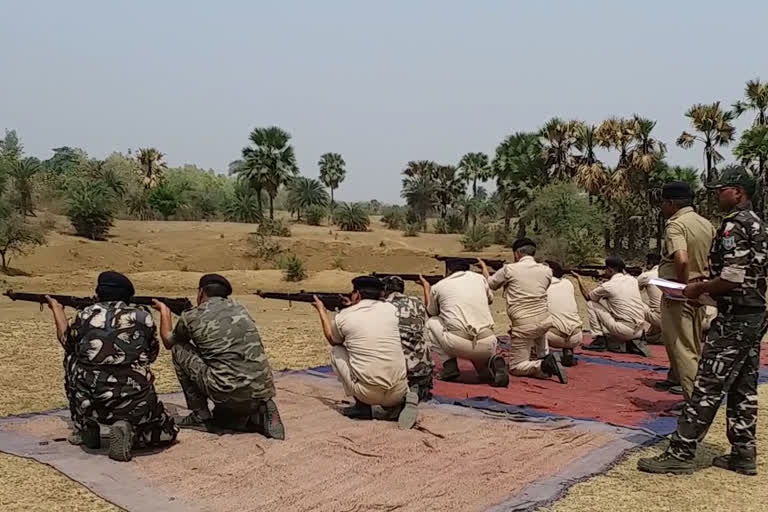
x=735, y=175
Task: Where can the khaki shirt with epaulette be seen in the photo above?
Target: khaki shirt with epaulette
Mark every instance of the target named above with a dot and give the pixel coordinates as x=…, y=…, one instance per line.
x=687, y=231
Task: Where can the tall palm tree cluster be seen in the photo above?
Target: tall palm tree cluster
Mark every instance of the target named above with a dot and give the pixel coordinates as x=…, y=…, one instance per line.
x=569, y=150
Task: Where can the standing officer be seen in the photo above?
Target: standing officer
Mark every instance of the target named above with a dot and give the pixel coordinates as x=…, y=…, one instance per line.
x=687, y=241
x=731, y=356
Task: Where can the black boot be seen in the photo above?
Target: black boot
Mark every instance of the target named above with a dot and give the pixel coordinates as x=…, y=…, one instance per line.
x=599, y=344
x=567, y=359
x=638, y=347
x=450, y=371
x=740, y=461
x=267, y=420
x=359, y=411
x=499, y=372
x=550, y=366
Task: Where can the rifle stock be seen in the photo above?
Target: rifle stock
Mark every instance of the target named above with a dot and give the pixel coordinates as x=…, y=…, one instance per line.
x=633, y=271
x=332, y=301
x=177, y=305
x=431, y=279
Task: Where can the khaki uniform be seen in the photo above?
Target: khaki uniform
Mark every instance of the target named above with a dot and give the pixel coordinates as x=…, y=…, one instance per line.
x=566, y=322
x=369, y=362
x=461, y=324
x=616, y=309
x=525, y=285
x=681, y=321
x=652, y=297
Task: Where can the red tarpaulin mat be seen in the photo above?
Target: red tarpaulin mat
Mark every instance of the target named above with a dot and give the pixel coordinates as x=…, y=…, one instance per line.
x=615, y=394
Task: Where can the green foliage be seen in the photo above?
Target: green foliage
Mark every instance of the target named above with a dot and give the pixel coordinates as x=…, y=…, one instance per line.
x=65, y=161
x=293, y=269
x=152, y=166
x=332, y=171
x=304, y=193
x=244, y=206
x=138, y=205
x=274, y=227
x=91, y=210
x=452, y=223
x=22, y=174
x=476, y=238
x=352, y=217
x=394, y=217
x=420, y=189
x=165, y=199
x=16, y=235
x=11, y=147
x=315, y=215
x=570, y=225
x=268, y=162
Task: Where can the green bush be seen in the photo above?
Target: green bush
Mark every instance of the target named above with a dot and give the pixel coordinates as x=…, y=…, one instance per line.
x=164, y=200
x=393, y=218
x=138, y=206
x=90, y=211
x=293, y=268
x=243, y=206
x=274, y=227
x=411, y=229
x=453, y=223
x=570, y=225
x=352, y=217
x=476, y=238
x=264, y=247
x=315, y=215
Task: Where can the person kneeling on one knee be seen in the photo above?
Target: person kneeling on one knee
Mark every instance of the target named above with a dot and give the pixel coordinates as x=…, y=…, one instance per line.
x=367, y=355
x=107, y=375
x=616, y=311
x=218, y=356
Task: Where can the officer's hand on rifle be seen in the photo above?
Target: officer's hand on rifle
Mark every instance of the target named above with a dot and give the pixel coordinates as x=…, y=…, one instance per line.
x=54, y=304
x=423, y=282
x=318, y=304
x=160, y=306
x=345, y=300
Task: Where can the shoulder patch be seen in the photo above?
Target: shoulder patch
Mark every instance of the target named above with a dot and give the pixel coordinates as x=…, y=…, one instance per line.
x=729, y=243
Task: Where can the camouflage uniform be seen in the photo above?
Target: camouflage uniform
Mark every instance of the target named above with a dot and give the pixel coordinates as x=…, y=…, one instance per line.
x=218, y=356
x=731, y=354
x=109, y=348
x=412, y=317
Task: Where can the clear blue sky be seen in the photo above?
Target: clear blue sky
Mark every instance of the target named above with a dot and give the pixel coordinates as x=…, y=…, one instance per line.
x=380, y=82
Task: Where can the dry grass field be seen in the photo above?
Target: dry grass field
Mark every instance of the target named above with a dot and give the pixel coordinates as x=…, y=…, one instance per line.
x=168, y=257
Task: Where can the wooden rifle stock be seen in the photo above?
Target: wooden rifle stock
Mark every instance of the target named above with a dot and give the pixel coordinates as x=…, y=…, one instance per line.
x=177, y=305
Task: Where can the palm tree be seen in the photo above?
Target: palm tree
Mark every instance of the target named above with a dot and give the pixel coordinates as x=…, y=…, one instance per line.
x=646, y=151
x=332, y=172
x=419, y=188
x=591, y=174
x=22, y=172
x=520, y=170
x=756, y=94
x=474, y=167
x=449, y=187
x=269, y=162
x=715, y=128
x=152, y=165
x=304, y=193
x=558, y=139
x=752, y=150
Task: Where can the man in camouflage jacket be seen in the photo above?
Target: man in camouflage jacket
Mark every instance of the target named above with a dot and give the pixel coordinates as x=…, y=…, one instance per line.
x=109, y=347
x=218, y=356
x=731, y=356
x=412, y=316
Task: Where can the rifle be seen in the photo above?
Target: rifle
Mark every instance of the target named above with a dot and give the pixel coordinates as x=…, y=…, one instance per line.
x=178, y=305
x=494, y=264
x=431, y=279
x=583, y=272
x=332, y=301
x=633, y=271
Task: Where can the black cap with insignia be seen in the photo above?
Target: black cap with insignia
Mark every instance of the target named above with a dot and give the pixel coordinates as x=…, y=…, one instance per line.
x=208, y=279
x=677, y=190
x=368, y=283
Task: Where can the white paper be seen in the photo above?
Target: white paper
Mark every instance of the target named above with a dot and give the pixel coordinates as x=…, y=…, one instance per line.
x=674, y=291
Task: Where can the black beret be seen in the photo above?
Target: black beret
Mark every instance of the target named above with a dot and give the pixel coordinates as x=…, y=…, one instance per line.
x=215, y=279
x=523, y=242
x=115, y=280
x=367, y=283
x=677, y=190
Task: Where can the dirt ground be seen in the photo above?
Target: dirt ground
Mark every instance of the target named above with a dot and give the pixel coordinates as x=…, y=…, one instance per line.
x=168, y=258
